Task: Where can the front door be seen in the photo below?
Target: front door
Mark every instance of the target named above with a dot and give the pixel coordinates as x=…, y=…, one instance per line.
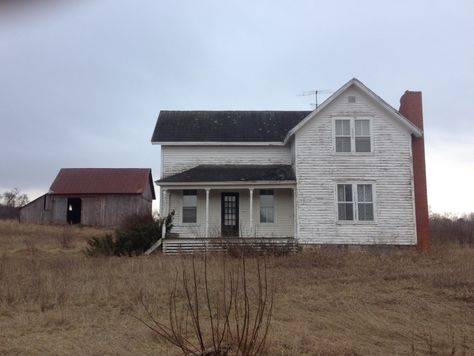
x=230, y=214
x=74, y=210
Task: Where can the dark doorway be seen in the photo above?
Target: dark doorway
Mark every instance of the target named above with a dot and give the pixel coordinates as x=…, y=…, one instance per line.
x=74, y=210
x=230, y=214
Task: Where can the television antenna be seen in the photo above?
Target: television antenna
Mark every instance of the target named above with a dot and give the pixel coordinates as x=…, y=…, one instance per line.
x=315, y=93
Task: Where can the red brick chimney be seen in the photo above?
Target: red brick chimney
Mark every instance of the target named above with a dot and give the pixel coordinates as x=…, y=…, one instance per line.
x=411, y=108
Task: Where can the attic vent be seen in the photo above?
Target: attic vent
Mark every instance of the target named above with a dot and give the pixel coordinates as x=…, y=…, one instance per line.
x=352, y=99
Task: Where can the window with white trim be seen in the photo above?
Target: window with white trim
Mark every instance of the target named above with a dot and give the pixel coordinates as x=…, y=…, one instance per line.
x=345, y=204
x=352, y=135
x=267, y=206
x=343, y=136
x=365, y=202
x=362, y=135
x=189, y=206
x=355, y=202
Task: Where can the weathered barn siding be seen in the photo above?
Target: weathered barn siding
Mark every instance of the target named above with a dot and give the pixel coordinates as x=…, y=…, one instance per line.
x=58, y=208
x=34, y=212
x=282, y=227
x=319, y=169
x=108, y=196
x=96, y=210
x=176, y=159
x=112, y=209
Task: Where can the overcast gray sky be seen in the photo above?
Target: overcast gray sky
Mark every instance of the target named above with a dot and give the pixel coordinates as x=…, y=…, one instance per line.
x=81, y=84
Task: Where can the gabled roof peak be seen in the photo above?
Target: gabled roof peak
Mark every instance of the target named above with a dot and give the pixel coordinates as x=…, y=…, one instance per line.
x=356, y=82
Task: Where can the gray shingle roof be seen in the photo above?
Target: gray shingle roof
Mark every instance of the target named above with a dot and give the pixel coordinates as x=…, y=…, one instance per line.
x=232, y=173
x=225, y=126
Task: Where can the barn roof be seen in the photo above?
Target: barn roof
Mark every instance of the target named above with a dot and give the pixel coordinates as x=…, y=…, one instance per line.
x=102, y=181
x=232, y=173
x=225, y=126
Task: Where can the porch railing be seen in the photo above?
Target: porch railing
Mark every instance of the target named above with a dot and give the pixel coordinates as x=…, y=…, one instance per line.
x=249, y=245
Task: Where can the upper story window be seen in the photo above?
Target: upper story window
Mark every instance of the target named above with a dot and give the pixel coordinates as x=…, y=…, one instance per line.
x=353, y=135
x=343, y=136
x=189, y=206
x=362, y=135
x=267, y=206
x=355, y=202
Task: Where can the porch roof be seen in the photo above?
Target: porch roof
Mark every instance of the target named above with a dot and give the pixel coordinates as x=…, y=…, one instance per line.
x=233, y=173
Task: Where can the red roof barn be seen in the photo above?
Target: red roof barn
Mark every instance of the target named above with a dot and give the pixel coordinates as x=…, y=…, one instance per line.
x=93, y=196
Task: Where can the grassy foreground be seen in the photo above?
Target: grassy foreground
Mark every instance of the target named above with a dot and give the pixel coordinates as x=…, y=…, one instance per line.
x=55, y=301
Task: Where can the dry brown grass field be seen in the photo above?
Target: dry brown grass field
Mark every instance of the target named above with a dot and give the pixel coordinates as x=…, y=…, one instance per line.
x=56, y=301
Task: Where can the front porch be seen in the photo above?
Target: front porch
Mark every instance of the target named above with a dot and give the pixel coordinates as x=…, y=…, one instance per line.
x=236, y=207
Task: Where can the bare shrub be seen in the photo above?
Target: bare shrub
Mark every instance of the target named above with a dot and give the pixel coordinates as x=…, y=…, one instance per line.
x=233, y=319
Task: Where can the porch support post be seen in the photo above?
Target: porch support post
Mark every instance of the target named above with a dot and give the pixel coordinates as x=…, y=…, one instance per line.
x=207, y=212
x=251, y=211
x=165, y=205
x=295, y=213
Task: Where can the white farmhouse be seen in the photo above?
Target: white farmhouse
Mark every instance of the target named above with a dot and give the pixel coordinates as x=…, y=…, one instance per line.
x=350, y=172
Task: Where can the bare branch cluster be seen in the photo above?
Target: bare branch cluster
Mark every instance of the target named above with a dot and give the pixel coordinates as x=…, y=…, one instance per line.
x=14, y=198
x=232, y=319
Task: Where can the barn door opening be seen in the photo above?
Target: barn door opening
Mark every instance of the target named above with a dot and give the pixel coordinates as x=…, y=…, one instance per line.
x=230, y=214
x=74, y=210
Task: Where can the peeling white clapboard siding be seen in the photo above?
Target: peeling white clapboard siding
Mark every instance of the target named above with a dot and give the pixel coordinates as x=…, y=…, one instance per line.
x=388, y=168
x=176, y=159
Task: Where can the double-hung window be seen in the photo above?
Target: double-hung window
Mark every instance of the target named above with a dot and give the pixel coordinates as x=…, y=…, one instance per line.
x=355, y=202
x=345, y=204
x=189, y=206
x=267, y=206
x=362, y=135
x=352, y=135
x=365, y=202
x=343, y=136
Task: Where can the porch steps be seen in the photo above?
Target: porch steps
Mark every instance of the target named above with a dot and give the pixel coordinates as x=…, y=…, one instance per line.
x=214, y=245
x=153, y=247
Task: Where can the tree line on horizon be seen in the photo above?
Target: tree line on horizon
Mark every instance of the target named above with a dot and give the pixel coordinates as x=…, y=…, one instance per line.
x=10, y=203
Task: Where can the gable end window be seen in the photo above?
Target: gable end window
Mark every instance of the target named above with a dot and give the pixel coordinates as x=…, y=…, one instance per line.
x=355, y=202
x=362, y=135
x=353, y=135
x=343, y=135
x=189, y=206
x=267, y=206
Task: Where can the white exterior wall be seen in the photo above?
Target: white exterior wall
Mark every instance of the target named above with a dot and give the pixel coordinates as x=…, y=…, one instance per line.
x=176, y=159
x=319, y=168
x=282, y=227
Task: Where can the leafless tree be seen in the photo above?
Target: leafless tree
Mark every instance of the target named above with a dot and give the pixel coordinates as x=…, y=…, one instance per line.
x=14, y=198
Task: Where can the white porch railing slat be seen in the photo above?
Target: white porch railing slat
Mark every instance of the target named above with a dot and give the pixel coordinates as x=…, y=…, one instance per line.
x=202, y=245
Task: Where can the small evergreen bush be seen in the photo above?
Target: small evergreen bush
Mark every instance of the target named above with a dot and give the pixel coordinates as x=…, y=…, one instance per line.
x=136, y=235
